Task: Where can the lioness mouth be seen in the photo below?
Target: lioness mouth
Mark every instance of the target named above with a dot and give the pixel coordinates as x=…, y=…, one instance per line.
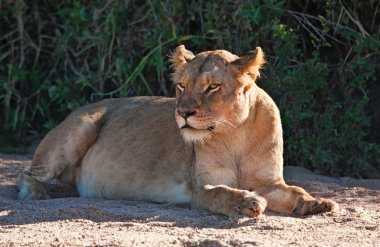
x=187, y=126
x=211, y=128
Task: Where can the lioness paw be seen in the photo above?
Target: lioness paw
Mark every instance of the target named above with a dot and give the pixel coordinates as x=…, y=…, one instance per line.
x=29, y=188
x=252, y=205
x=314, y=206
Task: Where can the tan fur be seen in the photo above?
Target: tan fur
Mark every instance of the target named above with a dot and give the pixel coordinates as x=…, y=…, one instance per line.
x=217, y=145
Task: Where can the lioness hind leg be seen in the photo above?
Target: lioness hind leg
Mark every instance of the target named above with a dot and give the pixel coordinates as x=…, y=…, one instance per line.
x=294, y=200
x=60, y=150
x=29, y=188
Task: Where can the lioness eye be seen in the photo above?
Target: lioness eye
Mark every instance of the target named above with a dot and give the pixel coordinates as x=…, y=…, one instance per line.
x=212, y=88
x=180, y=86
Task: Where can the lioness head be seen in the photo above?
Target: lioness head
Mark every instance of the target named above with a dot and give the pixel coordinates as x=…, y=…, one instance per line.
x=213, y=90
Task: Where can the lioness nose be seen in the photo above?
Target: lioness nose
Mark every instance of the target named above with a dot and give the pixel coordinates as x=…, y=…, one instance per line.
x=186, y=113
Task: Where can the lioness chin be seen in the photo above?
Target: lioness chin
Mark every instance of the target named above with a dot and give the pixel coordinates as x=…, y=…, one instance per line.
x=217, y=145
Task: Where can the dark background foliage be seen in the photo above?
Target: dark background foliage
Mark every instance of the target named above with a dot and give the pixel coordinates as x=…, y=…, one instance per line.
x=323, y=65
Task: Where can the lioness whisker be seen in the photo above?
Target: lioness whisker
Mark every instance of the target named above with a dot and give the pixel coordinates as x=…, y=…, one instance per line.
x=240, y=121
x=225, y=122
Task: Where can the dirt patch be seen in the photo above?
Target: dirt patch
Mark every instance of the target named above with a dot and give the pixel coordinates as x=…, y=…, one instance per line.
x=78, y=221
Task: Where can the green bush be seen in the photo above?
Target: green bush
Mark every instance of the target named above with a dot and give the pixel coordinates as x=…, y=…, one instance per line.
x=323, y=65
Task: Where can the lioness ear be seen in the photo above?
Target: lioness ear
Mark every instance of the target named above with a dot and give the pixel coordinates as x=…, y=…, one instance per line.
x=180, y=56
x=250, y=63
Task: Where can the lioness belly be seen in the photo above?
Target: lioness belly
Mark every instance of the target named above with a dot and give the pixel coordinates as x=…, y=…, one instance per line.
x=126, y=188
x=138, y=155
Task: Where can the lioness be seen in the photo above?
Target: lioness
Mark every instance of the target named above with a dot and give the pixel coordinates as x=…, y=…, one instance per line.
x=217, y=145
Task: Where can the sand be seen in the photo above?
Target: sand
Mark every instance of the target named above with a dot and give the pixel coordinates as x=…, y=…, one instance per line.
x=67, y=220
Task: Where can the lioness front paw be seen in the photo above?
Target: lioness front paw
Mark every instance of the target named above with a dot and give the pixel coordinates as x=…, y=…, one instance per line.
x=252, y=205
x=314, y=206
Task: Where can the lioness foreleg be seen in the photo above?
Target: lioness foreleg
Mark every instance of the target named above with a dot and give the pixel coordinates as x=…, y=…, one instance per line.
x=225, y=200
x=294, y=200
x=214, y=189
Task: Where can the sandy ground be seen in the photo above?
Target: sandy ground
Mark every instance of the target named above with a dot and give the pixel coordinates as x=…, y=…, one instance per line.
x=73, y=221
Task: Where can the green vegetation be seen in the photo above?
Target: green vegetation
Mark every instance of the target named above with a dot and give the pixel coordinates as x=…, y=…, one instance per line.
x=323, y=65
